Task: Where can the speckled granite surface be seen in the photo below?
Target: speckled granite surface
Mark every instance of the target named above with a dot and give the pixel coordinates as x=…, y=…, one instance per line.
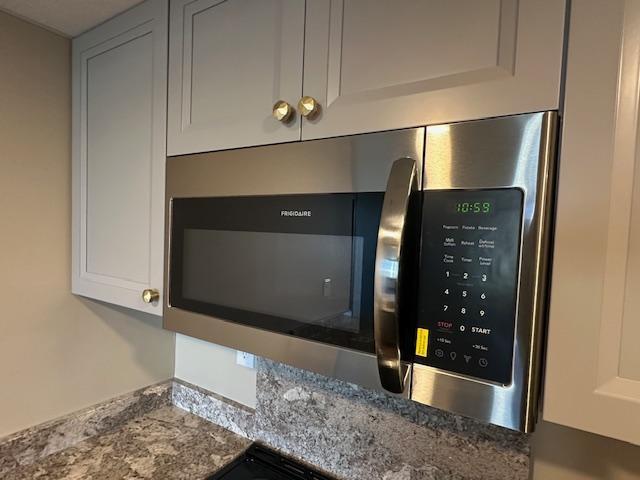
x=166, y=443
x=350, y=432
x=30, y=445
x=358, y=434
x=228, y=414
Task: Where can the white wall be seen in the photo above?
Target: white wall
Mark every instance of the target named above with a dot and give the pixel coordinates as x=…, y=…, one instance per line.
x=214, y=368
x=58, y=353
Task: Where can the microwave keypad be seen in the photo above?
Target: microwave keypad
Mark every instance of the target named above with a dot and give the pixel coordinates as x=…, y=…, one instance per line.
x=468, y=282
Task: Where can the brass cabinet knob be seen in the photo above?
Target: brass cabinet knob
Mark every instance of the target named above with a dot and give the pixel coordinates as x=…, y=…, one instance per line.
x=309, y=107
x=150, y=295
x=282, y=111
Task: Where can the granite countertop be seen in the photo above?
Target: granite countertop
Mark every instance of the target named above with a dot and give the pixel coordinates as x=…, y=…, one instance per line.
x=166, y=443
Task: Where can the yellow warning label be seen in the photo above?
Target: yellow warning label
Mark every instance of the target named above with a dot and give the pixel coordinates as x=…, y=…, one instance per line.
x=422, y=342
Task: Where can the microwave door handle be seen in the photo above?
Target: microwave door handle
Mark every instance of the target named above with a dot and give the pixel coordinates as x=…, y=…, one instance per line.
x=386, y=322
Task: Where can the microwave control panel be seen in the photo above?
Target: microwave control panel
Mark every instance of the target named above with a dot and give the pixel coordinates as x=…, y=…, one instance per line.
x=469, y=281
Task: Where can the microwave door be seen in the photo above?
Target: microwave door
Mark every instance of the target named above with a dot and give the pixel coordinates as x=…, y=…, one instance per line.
x=390, y=278
x=272, y=249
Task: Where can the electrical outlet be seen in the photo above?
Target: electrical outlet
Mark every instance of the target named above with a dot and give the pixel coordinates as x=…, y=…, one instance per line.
x=245, y=359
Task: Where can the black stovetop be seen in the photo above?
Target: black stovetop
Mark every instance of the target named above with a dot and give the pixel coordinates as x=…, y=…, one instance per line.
x=260, y=463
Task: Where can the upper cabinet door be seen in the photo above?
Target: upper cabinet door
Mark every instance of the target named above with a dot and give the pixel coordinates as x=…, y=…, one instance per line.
x=230, y=62
x=384, y=65
x=119, y=124
x=593, y=359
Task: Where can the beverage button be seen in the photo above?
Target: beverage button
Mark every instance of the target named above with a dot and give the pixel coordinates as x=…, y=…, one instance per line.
x=453, y=355
x=483, y=362
x=467, y=358
x=439, y=353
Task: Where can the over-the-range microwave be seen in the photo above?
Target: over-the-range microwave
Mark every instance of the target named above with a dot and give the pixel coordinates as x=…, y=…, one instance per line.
x=413, y=261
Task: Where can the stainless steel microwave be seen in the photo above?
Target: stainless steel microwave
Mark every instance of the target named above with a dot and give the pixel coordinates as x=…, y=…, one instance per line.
x=413, y=261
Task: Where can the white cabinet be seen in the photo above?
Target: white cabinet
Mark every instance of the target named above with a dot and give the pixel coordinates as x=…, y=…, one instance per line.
x=119, y=128
x=593, y=359
x=370, y=65
x=384, y=65
x=230, y=61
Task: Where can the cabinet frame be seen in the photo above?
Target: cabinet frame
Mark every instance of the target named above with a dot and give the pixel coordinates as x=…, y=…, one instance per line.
x=150, y=17
x=183, y=136
x=591, y=317
x=525, y=78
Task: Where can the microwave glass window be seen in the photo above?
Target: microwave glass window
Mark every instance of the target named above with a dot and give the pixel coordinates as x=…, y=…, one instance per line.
x=314, y=279
x=300, y=265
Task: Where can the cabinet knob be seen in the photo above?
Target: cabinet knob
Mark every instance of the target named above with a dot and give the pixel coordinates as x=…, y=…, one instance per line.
x=150, y=295
x=282, y=111
x=309, y=107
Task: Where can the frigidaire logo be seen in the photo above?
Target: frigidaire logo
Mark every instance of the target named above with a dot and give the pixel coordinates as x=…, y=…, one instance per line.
x=295, y=213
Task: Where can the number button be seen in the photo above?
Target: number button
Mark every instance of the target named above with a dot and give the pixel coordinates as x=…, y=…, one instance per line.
x=446, y=307
x=483, y=296
x=447, y=273
x=482, y=313
x=446, y=291
x=465, y=276
x=463, y=311
x=464, y=293
x=484, y=277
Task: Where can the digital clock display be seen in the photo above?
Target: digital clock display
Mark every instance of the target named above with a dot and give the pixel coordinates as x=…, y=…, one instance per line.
x=474, y=207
